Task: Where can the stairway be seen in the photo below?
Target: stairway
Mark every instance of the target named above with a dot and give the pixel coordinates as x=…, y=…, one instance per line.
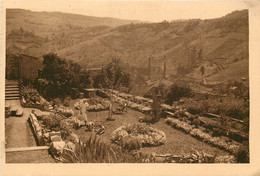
x=12, y=90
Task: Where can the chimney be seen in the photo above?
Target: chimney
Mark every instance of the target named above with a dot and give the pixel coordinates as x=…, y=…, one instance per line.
x=164, y=70
x=149, y=67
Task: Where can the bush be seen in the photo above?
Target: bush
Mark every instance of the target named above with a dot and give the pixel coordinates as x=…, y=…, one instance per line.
x=113, y=76
x=228, y=106
x=53, y=121
x=178, y=91
x=242, y=154
x=61, y=77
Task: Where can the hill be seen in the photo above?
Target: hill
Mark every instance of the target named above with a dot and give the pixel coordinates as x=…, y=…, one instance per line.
x=52, y=31
x=219, y=39
x=93, y=41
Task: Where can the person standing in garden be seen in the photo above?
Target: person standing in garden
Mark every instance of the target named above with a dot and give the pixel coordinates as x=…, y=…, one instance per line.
x=83, y=110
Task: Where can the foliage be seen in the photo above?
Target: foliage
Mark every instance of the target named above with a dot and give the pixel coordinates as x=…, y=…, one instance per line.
x=228, y=145
x=53, y=121
x=33, y=99
x=232, y=107
x=241, y=89
x=242, y=154
x=112, y=77
x=134, y=136
x=191, y=24
x=96, y=151
x=178, y=91
x=162, y=88
x=61, y=77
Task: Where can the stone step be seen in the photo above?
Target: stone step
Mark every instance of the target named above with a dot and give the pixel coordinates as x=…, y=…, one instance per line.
x=12, y=98
x=11, y=86
x=12, y=92
x=12, y=95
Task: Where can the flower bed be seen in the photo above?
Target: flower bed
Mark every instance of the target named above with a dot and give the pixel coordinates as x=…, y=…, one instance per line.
x=67, y=112
x=32, y=99
x=133, y=136
x=36, y=128
x=97, y=104
x=227, y=145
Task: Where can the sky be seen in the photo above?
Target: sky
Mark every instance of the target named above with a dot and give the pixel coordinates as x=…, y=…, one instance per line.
x=153, y=11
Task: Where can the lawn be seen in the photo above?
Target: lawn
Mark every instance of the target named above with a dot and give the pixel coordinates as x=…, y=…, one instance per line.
x=177, y=142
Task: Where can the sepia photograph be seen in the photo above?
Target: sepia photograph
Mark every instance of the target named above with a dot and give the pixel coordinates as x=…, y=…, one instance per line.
x=126, y=82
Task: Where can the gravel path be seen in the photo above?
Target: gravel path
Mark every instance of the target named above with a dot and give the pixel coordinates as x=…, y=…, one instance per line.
x=17, y=130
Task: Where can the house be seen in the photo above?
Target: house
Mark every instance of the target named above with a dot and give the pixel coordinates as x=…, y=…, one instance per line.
x=22, y=67
x=12, y=71
x=29, y=67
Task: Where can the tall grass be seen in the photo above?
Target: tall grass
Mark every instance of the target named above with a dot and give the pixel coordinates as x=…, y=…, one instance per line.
x=94, y=150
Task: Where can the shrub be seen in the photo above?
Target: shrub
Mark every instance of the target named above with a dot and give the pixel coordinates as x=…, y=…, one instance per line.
x=113, y=76
x=235, y=108
x=178, y=91
x=53, y=121
x=61, y=77
x=242, y=155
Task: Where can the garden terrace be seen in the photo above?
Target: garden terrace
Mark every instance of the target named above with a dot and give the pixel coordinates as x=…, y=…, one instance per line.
x=177, y=142
x=72, y=128
x=205, y=125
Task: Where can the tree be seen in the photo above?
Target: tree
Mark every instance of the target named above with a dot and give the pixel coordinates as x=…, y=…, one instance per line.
x=178, y=91
x=112, y=76
x=62, y=76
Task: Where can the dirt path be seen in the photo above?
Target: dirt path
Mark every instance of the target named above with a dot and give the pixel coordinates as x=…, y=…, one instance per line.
x=17, y=130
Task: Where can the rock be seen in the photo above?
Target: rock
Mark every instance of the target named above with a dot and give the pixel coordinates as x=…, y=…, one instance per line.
x=46, y=135
x=54, y=133
x=55, y=138
x=19, y=112
x=7, y=106
x=37, y=103
x=56, y=148
x=33, y=117
x=13, y=110
x=23, y=101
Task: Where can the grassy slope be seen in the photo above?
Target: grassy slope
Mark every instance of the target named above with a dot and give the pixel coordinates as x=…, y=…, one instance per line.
x=52, y=31
x=135, y=43
x=45, y=23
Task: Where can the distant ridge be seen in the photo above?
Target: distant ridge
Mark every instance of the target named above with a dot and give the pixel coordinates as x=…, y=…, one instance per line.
x=91, y=41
